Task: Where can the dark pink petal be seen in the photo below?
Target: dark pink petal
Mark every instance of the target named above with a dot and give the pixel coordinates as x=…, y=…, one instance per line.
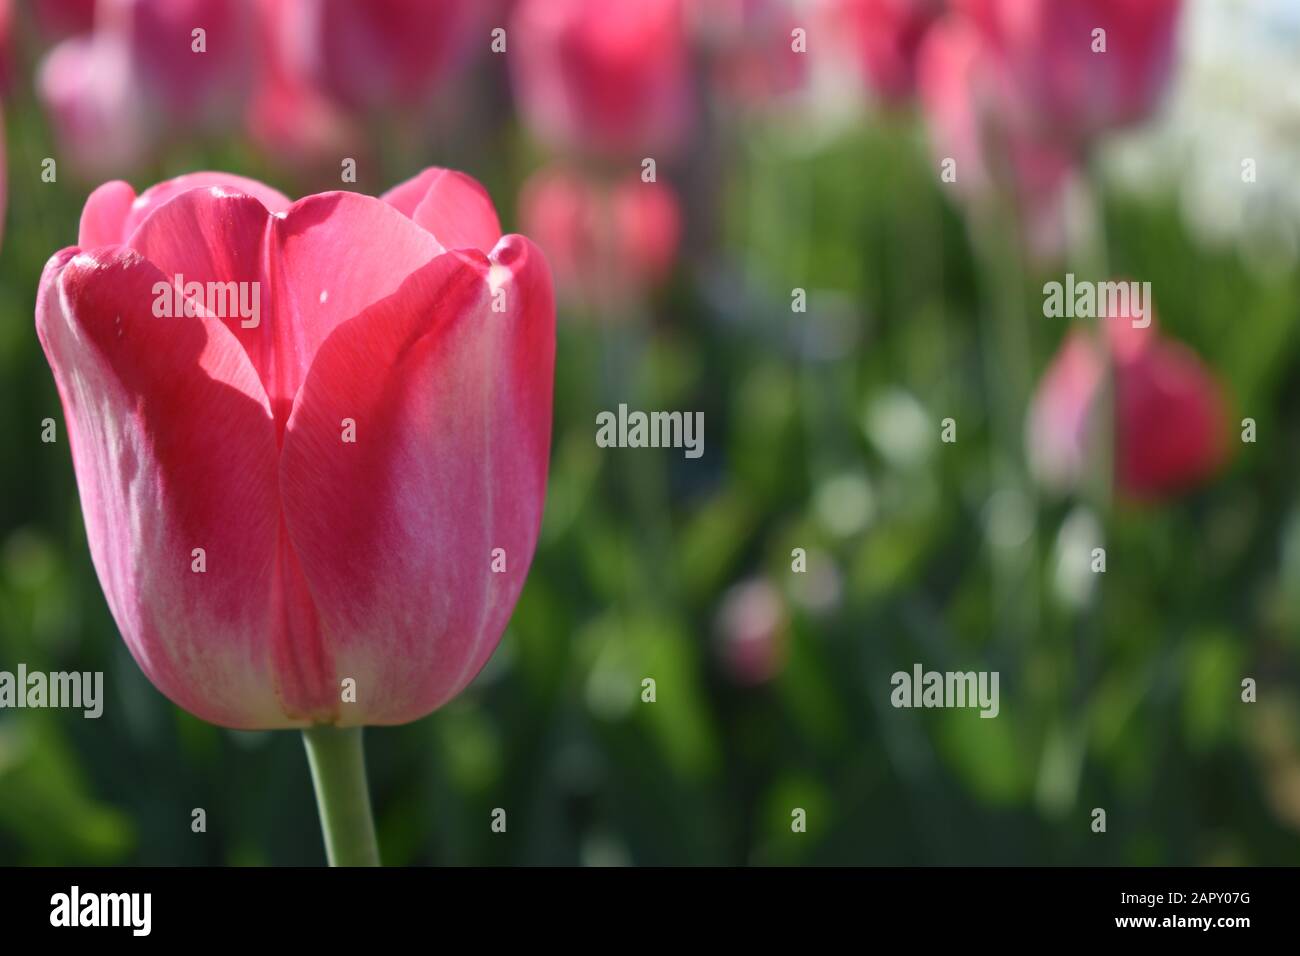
x=378, y=54
x=601, y=77
x=454, y=207
x=1170, y=420
x=886, y=37
x=396, y=531
x=1052, y=81
x=174, y=449
x=193, y=89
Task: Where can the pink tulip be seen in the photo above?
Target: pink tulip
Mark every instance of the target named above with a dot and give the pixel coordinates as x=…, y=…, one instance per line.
x=1170, y=417
x=608, y=243
x=1015, y=94
x=411, y=326
x=602, y=76
x=112, y=93
x=374, y=54
x=886, y=36
x=750, y=46
x=1059, y=435
x=289, y=116
x=92, y=97
x=1052, y=79
x=752, y=626
x=959, y=89
x=194, y=88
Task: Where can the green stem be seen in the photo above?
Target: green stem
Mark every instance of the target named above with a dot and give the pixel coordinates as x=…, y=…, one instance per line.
x=338, y=772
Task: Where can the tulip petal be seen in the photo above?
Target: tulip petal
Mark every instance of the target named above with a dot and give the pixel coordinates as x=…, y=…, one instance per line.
x=104, y=215
x=212, y=238
x=334, y=255
x=396, y=531
x=310, y=271
x=174, y=450
x=452, y=206
x=157, y=196
x=1171, y=421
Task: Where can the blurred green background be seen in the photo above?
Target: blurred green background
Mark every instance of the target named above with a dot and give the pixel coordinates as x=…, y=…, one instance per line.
x=821, y=432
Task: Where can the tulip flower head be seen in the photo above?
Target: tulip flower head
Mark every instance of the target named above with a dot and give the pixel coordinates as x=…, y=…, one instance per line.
x=609, y=243
x=752, y=627
x=372, y=54
x=1169, y=421
x=885, y=36
x=1016, y=92
x=1070, y=69
x=609, y=77
x=324, y=516
x=147, y=67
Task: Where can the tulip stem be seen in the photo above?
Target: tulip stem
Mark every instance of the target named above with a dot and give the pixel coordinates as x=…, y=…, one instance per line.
x=338, y=772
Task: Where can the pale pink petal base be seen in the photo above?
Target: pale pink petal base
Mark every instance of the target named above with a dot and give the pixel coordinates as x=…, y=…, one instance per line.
x=174, y=450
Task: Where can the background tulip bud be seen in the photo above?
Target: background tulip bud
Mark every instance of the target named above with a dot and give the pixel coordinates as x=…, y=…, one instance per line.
x=1072, y=68
x=1169, y=415
x=610, y=243
x=885, y=36
x=606, y=78
x=368, y=54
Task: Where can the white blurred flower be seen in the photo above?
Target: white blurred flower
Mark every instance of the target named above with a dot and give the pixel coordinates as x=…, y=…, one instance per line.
x=1236, y=98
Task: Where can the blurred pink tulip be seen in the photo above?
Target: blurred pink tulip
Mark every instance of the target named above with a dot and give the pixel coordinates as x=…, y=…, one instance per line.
x=1014, y=94
x=1059, y=432
x=886, y=36
x=752, y=628
x=603, y=76
x=989, y=157
x=377, y=54
x=145, y=68
x=608, y=243
x=289, y=116
x=194, y=87
x=350, y=462
x=1055, y=76
x=750, y=47
x=92, y=97
x=1170, y=417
